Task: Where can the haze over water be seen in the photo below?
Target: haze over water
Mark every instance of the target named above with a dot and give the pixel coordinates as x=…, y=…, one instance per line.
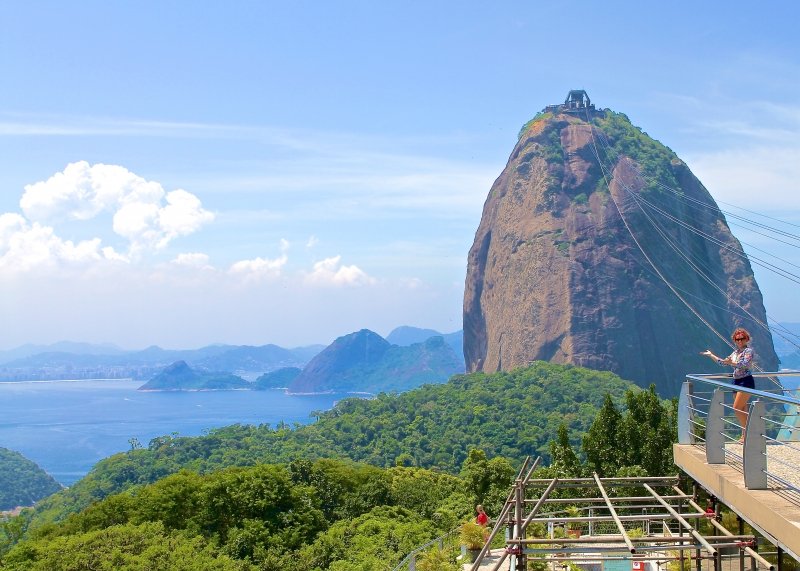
x=68, y=426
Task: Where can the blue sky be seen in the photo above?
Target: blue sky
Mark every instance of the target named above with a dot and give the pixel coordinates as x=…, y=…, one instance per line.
x=185, y=173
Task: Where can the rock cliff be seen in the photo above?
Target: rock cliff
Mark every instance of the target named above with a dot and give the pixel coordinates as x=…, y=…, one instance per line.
x=588, y=240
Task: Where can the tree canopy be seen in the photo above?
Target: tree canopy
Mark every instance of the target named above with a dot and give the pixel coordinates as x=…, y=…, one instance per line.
x=266, y=498
x=22, y=481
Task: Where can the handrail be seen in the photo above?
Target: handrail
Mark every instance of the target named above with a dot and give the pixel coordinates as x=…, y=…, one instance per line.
x=708, y=379
x=409, y=559
x=708, y=422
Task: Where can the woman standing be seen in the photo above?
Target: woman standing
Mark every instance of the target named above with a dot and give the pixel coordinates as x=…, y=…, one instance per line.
x=481, y=518
x=740, y=360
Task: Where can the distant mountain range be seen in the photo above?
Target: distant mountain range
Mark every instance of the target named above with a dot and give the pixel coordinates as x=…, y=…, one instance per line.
x=359, y=362
x=102, y=361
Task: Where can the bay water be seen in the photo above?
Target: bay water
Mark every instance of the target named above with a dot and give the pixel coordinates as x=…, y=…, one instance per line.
x=68, y=426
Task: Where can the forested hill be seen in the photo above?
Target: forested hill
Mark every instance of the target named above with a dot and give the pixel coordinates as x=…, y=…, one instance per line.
x=512, y=414
x=22, y=482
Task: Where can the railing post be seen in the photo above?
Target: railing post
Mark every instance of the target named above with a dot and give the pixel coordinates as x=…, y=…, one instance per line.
x=715, y=440
x=686, y=414
x=519, y=503
x=740, y=531
x=754, y=454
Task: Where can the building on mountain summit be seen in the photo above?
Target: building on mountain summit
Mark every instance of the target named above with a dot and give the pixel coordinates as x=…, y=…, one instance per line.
x=576, y=103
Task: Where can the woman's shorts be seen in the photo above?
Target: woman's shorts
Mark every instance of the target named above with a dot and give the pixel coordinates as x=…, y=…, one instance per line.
x=747, y=382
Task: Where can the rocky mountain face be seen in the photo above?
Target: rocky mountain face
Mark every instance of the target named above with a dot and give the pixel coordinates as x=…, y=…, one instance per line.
x=588, y=240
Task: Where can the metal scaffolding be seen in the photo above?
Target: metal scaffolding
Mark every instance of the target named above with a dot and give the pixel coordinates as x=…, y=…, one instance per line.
x=648, y=521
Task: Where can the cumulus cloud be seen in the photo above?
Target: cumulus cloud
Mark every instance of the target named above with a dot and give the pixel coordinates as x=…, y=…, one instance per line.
x=142, y=212
x=258, y=269
x=25, y=246
x=330, y=272
x=81, y=191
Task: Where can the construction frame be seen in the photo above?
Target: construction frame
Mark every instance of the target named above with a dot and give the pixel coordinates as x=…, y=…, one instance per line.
x=612, y=524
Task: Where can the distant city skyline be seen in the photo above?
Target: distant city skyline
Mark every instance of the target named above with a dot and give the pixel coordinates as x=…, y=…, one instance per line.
x=184, y=174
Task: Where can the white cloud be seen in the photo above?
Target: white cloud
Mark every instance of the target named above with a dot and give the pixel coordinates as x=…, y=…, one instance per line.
x=183, y=215
x=142, y=212
x=330, y=272
x=81, y=191
x=10, y=225
x=312, y=241
x=25, y=246
x=258, y=269
x=193, y=260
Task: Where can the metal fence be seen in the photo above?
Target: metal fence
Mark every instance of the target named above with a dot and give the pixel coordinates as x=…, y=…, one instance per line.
x=770, y=450
x=448, y=541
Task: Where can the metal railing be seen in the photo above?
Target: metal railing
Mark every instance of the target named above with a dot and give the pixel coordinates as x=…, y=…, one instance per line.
x=409, y=562
x=770, y=449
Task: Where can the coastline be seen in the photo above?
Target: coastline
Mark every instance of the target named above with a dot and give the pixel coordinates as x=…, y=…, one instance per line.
x=66, y=380
x=66, y=428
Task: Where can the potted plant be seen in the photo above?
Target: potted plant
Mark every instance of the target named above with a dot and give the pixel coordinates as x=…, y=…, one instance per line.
x=574, y=528
x=472, y=537
x=436, y=560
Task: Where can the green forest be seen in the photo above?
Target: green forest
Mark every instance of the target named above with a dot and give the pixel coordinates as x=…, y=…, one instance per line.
x=22, y=481
x=358, y=489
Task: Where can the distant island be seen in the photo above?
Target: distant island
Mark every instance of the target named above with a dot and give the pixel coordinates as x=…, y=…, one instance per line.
x=280, y=379
x=180, y=377
x=87, y=361
x=360, y=362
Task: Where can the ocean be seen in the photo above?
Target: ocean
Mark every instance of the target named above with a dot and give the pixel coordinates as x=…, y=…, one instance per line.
x=68, y=426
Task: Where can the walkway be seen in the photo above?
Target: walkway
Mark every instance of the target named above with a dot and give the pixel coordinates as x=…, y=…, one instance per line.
x=774, y=512
x=489, y=561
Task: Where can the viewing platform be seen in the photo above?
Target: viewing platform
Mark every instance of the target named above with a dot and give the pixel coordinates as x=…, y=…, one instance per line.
x=760, y=479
